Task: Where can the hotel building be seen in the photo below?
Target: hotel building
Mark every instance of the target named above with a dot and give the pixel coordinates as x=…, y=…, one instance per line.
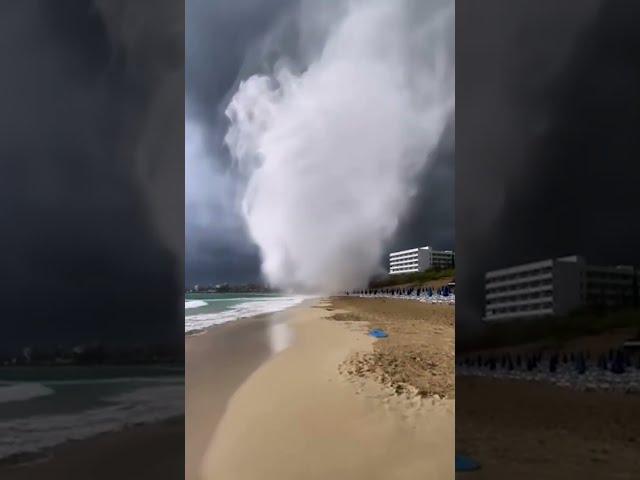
x=557, y=287
x=420, y=259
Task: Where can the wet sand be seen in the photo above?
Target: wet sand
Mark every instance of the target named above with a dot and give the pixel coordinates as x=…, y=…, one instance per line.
x=297, y=416
x=217, y=362
x=147, y=451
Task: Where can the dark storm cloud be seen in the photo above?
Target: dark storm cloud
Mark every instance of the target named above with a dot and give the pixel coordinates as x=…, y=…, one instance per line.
x=225, y=41
x=430, y=220
x=220, y=37
x=547, y=145
x=91, y=214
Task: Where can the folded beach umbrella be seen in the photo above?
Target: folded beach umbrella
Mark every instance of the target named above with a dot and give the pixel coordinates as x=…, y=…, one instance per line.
x=378, y=333
x=466, y=464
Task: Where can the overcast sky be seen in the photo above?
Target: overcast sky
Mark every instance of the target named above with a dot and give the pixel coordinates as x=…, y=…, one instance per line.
x=547, y=148
x=228, y=41
x=92, y=171
x=546, y=154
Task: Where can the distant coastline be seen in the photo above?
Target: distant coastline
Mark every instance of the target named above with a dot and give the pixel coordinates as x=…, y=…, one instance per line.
x=229, y=288
x=93, y=354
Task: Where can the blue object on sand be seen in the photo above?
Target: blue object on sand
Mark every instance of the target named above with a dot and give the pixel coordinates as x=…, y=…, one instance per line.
x=466, y=464
x=378, y=333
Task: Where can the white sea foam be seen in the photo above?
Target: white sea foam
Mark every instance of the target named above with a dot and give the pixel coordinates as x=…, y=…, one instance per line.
x=102, y=381
x=14, y=392
x=194, y=304
x=143, y=405
x=228, y=299
x=242, y=310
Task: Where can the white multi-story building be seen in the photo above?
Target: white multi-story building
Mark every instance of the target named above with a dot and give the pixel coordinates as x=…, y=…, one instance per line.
x=419, y=259
x=556, y=287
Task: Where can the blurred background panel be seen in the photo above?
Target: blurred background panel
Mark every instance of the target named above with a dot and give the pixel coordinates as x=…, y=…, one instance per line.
x=92, y=238
x=547, y=233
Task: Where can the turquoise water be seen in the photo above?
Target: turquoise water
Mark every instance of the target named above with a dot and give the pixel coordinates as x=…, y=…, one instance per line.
x=219, y=302
x=203, y=310
x=41, y=407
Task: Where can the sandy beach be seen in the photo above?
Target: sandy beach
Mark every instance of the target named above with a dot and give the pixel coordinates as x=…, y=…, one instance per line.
x=417, y=358
x=302, y=414
x=530, y=430
x=217, y=361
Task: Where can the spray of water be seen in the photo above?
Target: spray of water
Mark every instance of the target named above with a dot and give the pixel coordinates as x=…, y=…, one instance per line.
x=331, y=153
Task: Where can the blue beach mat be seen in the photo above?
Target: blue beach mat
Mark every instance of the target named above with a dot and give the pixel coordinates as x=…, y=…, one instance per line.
x=466, y=464
x=378, y=333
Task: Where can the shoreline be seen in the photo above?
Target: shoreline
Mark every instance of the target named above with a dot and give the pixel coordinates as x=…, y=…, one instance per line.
x=62, y=409
x=199, y=321
x=114, y=446
x=131, y=453
x=217, y=361
x=300, y=350
x=327, y=424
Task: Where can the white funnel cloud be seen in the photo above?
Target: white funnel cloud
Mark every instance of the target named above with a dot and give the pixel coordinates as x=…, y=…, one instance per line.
x=331, y=153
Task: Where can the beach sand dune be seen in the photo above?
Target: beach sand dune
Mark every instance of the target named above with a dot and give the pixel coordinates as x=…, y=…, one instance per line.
x=418, y=356
x=298, y=417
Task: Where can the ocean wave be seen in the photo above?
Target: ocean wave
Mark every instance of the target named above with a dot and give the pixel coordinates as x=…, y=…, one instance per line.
x=114, y=380
x=194, y=304
x=13, y=392
x=140, y=406
x=233, y=299
x=242, y=310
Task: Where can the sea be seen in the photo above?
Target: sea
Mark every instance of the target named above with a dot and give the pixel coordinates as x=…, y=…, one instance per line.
x=203, y=310
x=44, y=406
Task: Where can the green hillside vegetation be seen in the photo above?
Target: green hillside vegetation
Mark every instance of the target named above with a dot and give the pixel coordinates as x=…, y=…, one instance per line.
x=416, y=279
x=553, y=330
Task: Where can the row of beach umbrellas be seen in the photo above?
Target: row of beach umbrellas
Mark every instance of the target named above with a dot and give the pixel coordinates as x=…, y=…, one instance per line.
x=617, y=361
x=417, y=292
